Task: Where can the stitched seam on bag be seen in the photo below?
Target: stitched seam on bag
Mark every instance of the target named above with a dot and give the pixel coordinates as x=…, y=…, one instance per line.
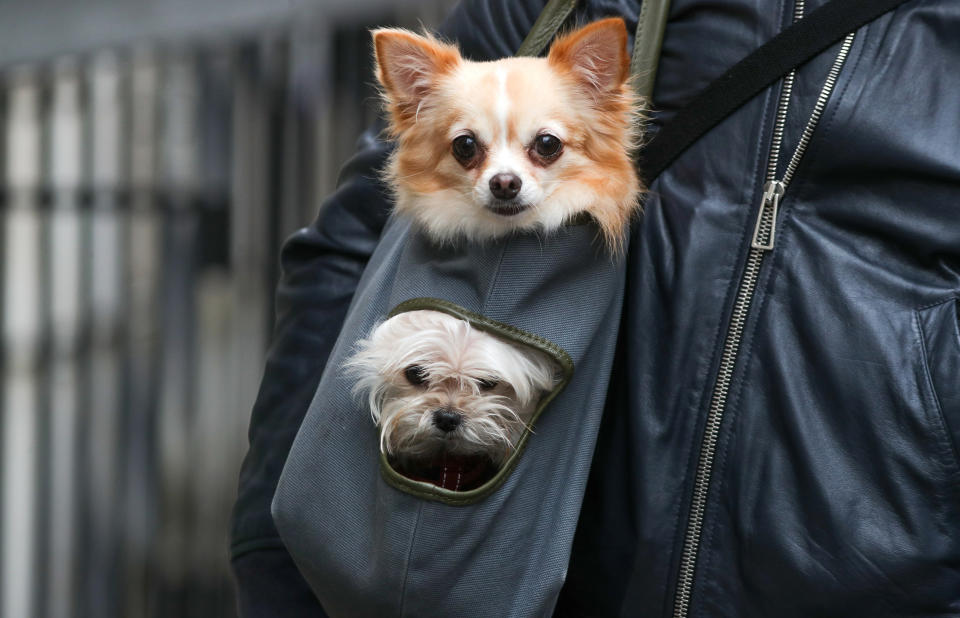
x=406, y=566
x=494, y=279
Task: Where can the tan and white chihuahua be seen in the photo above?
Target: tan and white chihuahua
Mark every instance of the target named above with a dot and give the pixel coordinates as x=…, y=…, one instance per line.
x=486, y=148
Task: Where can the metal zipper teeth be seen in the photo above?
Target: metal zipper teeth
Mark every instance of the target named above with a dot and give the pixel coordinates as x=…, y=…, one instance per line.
x=818, y=108
x=782, y=105
x=766, y=223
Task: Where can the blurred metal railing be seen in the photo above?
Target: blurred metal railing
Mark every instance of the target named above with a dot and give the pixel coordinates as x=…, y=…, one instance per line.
x=145, y=192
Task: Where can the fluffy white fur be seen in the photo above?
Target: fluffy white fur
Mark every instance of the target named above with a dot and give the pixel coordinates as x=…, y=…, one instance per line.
x=455, y=358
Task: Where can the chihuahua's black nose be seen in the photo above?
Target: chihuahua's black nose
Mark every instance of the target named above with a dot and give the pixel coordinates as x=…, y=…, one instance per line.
x=505, y=186
x=446, y=420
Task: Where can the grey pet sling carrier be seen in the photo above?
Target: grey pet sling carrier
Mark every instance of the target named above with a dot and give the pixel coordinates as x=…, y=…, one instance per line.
x=371, y=542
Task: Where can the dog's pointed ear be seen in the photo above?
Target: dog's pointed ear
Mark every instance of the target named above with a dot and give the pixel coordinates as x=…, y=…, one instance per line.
x=596, y=55
x=408, y=64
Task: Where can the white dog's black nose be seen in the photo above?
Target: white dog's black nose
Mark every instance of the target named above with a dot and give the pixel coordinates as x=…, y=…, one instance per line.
x=446, y=420
x=505, y=186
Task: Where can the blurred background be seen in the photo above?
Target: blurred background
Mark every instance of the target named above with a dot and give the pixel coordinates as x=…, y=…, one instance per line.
x=153, y=156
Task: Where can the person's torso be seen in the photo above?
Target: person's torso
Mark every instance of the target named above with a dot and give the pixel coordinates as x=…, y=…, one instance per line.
x=788, y=446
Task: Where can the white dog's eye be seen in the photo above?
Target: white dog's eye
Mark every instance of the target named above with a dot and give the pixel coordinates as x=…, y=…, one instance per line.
x=487, y=385
x=416, y=375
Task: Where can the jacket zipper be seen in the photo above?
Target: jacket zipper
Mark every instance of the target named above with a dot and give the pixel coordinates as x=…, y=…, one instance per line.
x=762, y=242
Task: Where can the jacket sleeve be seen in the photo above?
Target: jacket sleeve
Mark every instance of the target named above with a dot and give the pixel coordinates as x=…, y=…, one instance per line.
x=321, y=266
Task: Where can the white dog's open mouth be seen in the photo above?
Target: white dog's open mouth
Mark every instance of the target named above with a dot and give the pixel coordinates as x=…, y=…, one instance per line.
x=450, y=471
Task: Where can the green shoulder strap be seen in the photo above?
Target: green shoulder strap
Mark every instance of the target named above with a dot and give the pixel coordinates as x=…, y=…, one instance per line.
x=646, y=46
x=551, y=19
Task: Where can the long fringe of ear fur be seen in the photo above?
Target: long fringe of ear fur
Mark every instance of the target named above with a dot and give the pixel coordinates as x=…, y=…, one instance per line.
x=407, y=68
x=596, y=60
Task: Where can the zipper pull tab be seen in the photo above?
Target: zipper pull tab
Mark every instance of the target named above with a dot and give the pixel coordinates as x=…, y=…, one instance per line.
x=766, y=229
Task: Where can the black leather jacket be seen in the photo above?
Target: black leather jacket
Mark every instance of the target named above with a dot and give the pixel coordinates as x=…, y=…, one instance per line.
x=834, y=484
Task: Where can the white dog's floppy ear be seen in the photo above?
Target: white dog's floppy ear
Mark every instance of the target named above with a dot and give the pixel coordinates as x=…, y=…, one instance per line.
x=596, y=55
x=408, y=66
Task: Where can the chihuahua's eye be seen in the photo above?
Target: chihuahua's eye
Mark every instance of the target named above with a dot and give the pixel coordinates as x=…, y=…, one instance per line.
x=465, y=149
x=487, y=385
x=416, y=375
x=547, y=146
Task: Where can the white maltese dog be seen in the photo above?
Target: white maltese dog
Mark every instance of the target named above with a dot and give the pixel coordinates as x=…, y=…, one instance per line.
x=451, y=400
